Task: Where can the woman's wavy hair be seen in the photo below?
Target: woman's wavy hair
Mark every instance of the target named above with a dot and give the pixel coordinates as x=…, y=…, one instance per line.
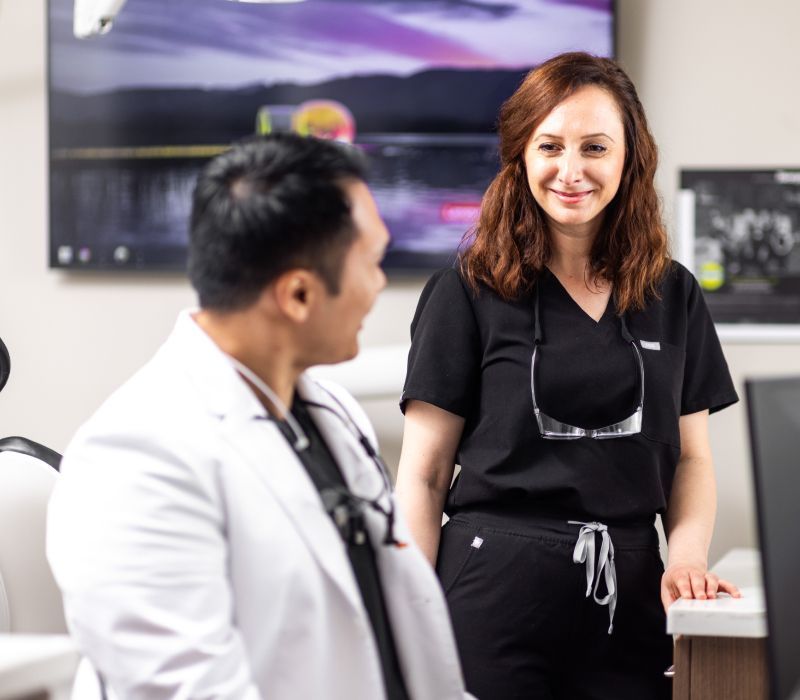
x=509, y=246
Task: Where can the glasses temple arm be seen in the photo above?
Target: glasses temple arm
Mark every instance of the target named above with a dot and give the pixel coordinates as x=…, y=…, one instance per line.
x=533, y=383
x=641, y=372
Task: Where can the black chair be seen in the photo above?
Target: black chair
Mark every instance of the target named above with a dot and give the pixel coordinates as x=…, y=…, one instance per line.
x=20, y=444
x=32, y=449
x=5, y=364
x=30, y=602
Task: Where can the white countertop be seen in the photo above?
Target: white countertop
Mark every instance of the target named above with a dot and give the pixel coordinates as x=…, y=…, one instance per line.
x=726, y=616
x=35, y=663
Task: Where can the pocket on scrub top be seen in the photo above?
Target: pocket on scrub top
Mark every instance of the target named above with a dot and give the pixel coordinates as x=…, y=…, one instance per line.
x=458, y=542
x=663, y=382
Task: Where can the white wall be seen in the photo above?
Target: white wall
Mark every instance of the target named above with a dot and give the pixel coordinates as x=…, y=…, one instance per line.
x=719, y=81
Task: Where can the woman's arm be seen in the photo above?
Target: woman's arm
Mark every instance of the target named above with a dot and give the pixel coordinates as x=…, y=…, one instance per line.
x=427, y=460
x=689, y=521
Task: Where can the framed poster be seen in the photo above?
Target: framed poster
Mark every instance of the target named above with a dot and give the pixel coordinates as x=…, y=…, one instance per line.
x=739, y=233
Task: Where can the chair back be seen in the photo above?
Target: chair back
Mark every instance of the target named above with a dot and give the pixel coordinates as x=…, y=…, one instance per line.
x=32, y=449
x=30, y=601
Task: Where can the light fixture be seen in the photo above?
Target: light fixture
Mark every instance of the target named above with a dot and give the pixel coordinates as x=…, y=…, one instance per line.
x=96, y=16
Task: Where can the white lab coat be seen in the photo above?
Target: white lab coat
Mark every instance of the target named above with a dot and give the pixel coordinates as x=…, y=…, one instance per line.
x=196, y=560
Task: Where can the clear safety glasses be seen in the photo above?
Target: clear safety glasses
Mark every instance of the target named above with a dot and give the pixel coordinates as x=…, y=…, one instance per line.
x=552, y=429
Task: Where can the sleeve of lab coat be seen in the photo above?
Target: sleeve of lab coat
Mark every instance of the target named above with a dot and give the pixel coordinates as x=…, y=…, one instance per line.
x=136, y=540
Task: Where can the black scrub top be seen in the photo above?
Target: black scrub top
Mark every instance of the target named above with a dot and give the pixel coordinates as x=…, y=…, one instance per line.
x=471, y=355
x=324, y=472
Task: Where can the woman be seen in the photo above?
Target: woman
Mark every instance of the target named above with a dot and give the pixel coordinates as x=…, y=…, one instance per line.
x=569, y=366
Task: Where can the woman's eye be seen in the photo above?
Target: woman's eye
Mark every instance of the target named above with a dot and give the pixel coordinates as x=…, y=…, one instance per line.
x=548, y=147
x=596, y=148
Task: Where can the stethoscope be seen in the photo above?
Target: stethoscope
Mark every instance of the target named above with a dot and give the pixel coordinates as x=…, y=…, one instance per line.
x=345, y=508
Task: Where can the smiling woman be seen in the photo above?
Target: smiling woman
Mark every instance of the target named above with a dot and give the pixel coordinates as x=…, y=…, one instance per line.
x=569, y=367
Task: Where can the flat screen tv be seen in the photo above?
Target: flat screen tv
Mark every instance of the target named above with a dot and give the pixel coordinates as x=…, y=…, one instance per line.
x=134, y=114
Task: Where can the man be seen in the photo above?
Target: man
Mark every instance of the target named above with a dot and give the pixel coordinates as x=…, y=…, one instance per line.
x=211, y=542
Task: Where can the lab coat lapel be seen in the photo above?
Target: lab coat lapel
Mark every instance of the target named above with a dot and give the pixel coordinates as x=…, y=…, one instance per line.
x=341, y=436
x=416, y=606
x=266, y=451
x=245, y=426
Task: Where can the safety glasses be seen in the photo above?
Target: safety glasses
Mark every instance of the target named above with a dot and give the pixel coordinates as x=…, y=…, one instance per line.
x=553, y=429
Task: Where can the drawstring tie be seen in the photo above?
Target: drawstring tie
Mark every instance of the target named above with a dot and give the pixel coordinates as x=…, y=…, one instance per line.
x=585, y=553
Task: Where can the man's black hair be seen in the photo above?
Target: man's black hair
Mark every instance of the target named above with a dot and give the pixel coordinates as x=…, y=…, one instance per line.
x=267, y=205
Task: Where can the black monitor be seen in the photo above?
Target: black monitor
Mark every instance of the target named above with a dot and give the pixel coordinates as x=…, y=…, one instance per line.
x=773, y=407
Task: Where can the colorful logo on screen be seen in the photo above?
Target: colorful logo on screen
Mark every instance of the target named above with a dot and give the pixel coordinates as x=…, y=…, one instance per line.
x=325, y=119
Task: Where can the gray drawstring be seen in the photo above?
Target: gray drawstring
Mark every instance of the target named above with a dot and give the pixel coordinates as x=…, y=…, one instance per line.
x=584, y=553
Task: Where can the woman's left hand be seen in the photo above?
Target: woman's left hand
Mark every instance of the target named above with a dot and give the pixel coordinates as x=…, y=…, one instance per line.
x=692, y=581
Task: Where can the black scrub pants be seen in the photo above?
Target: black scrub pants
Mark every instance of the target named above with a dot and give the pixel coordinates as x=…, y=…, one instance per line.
x=525, y=628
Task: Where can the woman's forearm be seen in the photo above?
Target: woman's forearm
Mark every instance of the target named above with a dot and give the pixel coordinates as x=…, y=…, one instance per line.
x=689, y=522
x=692, y=507
x=427, y=462
x=422, y=504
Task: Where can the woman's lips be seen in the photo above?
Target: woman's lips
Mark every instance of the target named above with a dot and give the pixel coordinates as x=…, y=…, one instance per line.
x=571, y=197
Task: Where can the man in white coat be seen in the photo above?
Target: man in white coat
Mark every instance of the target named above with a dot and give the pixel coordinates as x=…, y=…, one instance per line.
x=223, y=526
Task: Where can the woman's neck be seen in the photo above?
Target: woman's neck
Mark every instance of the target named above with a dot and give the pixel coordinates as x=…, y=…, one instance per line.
x=570, y=258
x=571, y=261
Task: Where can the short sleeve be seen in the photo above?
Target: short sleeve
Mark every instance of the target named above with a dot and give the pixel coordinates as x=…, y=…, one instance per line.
x=707, y=382
x=444, y=360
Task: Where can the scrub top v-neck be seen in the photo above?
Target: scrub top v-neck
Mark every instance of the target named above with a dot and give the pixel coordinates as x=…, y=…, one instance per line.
x=471, y=355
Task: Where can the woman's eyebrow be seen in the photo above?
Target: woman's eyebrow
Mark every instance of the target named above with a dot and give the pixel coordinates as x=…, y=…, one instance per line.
x=586, y=136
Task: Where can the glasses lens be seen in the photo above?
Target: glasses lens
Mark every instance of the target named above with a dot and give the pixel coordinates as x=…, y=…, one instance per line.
x=369, y=485
x=629, y=426
x=553, y=429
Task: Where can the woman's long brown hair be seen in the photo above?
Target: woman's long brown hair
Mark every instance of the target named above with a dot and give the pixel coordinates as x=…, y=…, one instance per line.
x=510, y=244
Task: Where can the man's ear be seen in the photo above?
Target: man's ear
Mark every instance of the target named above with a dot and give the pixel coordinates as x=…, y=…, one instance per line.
x=295, y=292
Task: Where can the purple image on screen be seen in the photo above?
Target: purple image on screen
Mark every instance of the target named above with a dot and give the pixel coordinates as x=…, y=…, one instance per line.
x=135, y=113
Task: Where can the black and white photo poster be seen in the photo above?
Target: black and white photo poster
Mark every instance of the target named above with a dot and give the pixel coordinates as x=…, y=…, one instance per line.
x=739, y=233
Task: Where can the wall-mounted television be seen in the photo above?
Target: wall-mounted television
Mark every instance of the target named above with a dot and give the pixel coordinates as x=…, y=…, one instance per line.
x=134, y=114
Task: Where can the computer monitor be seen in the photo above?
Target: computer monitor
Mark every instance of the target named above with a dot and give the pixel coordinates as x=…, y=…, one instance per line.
x=773, y=407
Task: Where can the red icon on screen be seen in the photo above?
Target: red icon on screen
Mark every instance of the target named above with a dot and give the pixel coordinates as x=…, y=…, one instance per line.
x=460, y=212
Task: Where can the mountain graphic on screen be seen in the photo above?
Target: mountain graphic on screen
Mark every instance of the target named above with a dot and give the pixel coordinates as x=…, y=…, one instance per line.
x=444, y=101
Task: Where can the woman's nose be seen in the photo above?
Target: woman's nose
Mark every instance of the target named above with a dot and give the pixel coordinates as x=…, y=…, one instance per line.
x=569, y=168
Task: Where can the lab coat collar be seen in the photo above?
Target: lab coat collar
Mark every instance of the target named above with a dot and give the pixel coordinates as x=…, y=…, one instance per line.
x=226, y=394
x=219, y=386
